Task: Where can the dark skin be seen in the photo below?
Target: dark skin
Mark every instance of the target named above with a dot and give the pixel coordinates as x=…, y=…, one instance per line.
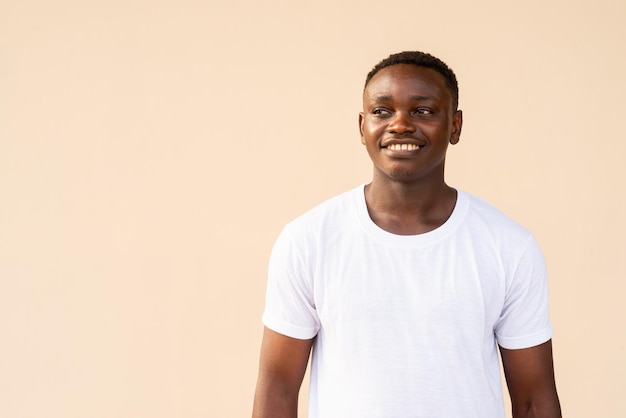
x=281, y=370
x=405, y=106
x=529, y=374
x=406, y=125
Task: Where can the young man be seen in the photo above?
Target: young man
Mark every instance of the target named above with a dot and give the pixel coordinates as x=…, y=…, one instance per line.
x=405, y=287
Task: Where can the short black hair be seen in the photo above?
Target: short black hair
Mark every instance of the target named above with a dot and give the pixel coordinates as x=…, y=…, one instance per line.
x=420, y=59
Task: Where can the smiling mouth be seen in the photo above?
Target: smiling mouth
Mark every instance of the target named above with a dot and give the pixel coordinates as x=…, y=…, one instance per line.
x=402, y=147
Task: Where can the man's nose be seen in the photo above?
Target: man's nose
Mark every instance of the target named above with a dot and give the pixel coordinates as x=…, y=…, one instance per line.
x=401, y=123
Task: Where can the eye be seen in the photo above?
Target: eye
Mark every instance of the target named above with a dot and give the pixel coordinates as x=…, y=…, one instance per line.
x=423, y=111
x=381, y=112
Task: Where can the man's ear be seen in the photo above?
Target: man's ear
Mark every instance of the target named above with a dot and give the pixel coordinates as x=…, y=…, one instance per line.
x=457, y=124
x=361, y=127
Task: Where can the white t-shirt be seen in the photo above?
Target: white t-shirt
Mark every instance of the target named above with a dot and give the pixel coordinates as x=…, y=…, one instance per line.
x=407, y=326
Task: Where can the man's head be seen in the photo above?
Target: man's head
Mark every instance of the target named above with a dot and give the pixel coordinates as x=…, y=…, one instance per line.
x=409, y=117
x=420, y=59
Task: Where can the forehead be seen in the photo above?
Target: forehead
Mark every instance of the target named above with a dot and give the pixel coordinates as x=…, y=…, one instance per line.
x=407, y=80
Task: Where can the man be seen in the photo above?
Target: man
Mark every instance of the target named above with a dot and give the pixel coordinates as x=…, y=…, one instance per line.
x=405, y=287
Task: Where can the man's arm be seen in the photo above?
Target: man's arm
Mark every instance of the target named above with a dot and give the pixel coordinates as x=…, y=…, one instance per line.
x=529, y=376
x=281, y=370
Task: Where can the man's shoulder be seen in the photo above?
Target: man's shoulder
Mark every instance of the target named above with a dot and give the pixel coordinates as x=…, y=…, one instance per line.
x=325, y=222
x=327, y=211
x=484, y=214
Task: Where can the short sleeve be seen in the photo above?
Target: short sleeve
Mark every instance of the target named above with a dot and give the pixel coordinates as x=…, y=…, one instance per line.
x=289, y=305
x=524, y=321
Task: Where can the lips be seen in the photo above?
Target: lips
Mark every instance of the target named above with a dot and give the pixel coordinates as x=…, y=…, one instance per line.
x=402, y=147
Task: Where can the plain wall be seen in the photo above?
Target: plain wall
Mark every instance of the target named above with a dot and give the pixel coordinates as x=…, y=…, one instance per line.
x=151, y=152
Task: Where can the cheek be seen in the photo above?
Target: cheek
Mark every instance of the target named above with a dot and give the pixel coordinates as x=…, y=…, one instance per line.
x=371, y=131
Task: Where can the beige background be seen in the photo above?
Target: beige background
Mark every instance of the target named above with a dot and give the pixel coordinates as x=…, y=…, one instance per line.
x=151, y=151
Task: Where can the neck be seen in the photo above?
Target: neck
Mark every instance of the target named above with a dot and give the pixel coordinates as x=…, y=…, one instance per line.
x=409, y=208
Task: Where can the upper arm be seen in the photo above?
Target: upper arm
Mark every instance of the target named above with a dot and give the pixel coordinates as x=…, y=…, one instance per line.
x=284, y=358
x=529, y=376
x=282, y=366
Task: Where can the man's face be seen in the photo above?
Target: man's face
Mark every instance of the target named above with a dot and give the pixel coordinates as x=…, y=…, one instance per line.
x=407, y=123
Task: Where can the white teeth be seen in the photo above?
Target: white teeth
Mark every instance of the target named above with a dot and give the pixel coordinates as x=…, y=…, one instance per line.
x=402, y=147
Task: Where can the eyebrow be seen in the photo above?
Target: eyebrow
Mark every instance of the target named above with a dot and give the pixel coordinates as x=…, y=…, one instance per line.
x=384, y=98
